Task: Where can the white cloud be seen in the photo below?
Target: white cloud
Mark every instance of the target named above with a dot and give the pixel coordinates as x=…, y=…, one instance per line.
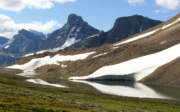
x=135, y=1
x=169, y=4
x=64, y=1
x=18, y=5
x=8, y=27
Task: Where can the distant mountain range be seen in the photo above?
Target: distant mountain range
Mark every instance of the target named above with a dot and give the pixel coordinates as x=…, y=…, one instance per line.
x=76, y=33
x=24, y=42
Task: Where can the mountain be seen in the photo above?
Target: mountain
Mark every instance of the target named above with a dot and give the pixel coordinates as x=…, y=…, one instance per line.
x=3, y=41
x=6, y=59
x=24, y=42
x=76, y=29
x=135, y=58
x=123, y=28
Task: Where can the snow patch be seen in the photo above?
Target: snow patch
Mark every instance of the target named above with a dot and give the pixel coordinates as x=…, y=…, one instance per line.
x=115, y=47
x=137, y=38
x=63, y=66
x=9, y=43
x=7, y=46
x=93, y=36
x=171, y=24
x=69, y=42
x=30, y=66
x=139, y=68
x=39, y=81
x=99, y=55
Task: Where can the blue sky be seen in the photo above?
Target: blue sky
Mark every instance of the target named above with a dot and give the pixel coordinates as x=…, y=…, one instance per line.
x=52, y=14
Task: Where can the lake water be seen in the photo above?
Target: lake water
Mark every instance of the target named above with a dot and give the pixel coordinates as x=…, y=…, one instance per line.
x=133, y=89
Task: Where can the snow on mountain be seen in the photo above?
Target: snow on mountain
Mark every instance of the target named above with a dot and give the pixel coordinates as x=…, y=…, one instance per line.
x=74, y=30
x=9, y=43
x=99, y=55
x=123, y=28
x=148, y=33
x=137, y=68
x=171, y=24
x=68, y=43
x=29, y=67
x=137, y=37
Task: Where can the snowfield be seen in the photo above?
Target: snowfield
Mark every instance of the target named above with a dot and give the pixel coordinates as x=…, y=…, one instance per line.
x=137, y=90
x=139, y=68
x=30, y=66
x=39, y=81
x=136, y=38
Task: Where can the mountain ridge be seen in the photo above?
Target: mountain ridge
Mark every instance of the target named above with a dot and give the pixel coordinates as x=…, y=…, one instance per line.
x=76, y=30
x=123, y=28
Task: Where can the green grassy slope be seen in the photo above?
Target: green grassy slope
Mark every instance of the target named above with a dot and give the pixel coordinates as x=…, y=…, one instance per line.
x=17, y=95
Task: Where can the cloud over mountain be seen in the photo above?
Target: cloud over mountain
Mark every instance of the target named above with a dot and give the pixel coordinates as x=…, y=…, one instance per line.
x=9, y=27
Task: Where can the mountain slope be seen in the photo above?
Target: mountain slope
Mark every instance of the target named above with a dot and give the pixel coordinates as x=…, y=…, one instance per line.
x=3, y=40
x=123, y=28
x=24, y=42
x=74, y=30
x=167, y=75
x=138, y=68
x=6, y=59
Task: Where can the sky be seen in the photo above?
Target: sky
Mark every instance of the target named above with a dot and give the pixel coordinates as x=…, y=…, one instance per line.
x=47, y=15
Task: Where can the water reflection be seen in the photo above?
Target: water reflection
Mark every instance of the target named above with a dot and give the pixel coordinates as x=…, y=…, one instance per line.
x=124, y=89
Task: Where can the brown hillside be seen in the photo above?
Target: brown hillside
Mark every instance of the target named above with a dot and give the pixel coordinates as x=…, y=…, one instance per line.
x=167, y=75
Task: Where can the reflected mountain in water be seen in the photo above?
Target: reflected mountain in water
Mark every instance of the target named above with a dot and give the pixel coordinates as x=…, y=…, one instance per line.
x=124, y=89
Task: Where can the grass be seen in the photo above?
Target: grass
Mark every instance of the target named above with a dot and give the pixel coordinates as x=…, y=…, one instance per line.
x=17, y=95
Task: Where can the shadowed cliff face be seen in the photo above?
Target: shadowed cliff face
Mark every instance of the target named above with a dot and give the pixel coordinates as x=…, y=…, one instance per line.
x=3, y=40
x=76, y=29
x=24, y=42
x=123, y=28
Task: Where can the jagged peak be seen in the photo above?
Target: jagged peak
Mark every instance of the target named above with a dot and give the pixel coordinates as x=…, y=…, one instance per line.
x=74, y=19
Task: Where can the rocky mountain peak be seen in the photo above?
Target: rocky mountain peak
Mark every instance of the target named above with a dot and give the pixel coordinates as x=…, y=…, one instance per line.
x=74, y=20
